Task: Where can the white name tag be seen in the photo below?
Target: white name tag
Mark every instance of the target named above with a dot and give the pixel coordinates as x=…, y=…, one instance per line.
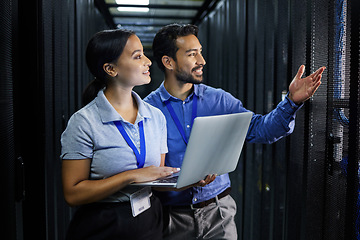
x=140, y=201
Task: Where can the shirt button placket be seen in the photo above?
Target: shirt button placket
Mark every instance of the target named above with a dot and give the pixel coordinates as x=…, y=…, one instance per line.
x=135, y=132
x=187, y=124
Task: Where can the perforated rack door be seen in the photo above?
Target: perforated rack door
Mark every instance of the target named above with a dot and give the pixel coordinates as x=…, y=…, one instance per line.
x=301, y=187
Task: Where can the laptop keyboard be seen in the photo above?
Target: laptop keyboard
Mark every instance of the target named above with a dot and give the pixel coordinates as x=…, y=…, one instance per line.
x=168, y=180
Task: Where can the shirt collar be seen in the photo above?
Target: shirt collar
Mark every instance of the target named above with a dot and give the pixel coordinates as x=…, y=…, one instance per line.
x=109, y=114
x=165, y=95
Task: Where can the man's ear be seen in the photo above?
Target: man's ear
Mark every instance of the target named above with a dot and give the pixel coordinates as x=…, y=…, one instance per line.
x=168, y=62
x=110, y=70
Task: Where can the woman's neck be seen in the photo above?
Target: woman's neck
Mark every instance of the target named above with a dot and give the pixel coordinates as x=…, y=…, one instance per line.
x=123, y=102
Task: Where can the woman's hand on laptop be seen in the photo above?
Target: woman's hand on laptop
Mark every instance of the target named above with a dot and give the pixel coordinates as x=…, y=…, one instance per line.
x=152, y=173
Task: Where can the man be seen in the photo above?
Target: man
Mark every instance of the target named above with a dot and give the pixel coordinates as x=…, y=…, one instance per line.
x=208, y=212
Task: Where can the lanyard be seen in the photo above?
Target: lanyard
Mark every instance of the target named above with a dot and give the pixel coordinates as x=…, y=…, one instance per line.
x=176, y=119
x=140, y=157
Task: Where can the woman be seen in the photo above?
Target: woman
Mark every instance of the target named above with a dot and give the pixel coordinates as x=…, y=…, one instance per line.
x=115, y=140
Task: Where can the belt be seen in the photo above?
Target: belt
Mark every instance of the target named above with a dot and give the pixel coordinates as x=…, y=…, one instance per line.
x=204, y=203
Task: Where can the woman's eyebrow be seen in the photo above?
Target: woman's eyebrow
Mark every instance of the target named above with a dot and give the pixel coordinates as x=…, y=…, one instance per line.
x=139, y=50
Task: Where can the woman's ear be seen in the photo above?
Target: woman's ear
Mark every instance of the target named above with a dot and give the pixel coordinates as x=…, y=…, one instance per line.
x=110, y=69
x=168, y=62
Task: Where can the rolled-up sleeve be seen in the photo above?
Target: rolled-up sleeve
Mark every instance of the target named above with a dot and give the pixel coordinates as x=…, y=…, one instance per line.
x=267, y=128
x=275, y=125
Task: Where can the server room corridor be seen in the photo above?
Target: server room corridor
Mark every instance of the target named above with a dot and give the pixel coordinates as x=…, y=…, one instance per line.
x=303, y=187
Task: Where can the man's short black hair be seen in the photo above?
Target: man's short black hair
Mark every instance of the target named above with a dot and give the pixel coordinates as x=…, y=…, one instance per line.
x=165, y=41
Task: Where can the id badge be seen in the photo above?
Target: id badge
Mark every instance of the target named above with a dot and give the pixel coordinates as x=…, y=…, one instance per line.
x=140, y=201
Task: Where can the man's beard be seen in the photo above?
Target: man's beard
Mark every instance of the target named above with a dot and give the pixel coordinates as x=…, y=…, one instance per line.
x=185, y=77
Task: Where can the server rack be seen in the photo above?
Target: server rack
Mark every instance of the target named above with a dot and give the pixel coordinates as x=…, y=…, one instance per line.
x=300, y=187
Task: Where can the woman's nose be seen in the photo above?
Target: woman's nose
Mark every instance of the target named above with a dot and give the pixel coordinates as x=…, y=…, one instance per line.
x=148, y=61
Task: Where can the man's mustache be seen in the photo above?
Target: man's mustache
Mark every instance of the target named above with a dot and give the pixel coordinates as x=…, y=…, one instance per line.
x=196, y=68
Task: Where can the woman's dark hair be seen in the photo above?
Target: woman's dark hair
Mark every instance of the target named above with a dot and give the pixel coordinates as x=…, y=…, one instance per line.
x=104, y=47
x=165, y=41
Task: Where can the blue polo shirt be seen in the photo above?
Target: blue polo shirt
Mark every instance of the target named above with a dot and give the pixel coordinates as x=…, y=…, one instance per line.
x=92, y=134
x=211, y=101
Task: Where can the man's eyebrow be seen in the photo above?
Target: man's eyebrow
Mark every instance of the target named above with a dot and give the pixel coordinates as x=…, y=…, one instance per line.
x=193, y=49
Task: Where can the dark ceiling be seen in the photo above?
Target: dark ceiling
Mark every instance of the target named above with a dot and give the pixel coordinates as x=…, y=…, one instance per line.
x=146, y=17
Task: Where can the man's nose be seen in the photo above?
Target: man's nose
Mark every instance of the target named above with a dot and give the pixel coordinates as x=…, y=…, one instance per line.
x=200, y=59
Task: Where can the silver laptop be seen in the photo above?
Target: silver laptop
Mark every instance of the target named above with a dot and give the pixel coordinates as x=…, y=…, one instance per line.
x=214, y=147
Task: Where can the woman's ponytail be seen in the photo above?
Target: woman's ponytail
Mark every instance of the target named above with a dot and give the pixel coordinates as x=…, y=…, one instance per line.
x=92, y=90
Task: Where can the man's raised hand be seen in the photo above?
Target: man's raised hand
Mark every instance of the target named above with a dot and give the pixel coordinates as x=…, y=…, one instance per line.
x=301, y=89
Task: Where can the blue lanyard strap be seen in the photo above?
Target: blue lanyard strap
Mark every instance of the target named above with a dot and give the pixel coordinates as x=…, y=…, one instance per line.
x=140, y=156
x=176, y=119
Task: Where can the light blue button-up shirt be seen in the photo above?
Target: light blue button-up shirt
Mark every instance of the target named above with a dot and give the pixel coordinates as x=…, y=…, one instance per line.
x=263, y=129
x=92, y=134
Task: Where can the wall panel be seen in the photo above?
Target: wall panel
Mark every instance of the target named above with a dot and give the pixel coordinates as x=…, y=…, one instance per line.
x=7, y=132
x=47, y=92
